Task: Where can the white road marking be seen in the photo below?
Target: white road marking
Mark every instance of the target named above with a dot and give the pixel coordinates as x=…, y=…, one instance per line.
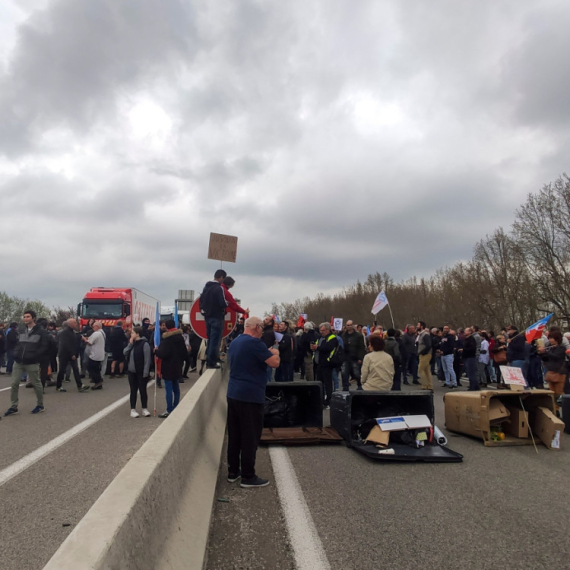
x=17, y=467
x=307, y=546
x=4, y=389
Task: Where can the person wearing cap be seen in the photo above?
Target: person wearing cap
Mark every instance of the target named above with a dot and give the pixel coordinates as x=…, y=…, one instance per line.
x=515, y=348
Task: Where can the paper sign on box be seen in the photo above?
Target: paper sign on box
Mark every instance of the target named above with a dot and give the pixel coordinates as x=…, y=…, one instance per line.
x=396, y=423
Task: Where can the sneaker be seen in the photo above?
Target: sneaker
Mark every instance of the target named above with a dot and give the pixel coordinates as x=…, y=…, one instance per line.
x=215, y=366
x=193, y=370
x=67, y=379
x=10, y=412
x=182, y=381
x=254, y=482
x=111, y=376
x=97, y=386
x=164, y=415
x=233, y=477
x=134, y=414
x=159, y=384
x=83, y=388
x=146, y=413
x=60, y=390
x=51, y=383
x=38, y=410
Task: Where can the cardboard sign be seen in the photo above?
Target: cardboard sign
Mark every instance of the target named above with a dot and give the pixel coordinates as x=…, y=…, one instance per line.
x=222, y=247
x=397, y=423
x=337, y=324
x=378, y=436
x=512, y=375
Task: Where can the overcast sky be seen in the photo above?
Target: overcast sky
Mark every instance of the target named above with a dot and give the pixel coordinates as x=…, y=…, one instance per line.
x=334, y=138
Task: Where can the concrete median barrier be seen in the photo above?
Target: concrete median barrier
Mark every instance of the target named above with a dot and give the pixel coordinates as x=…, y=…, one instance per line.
x=136, y=523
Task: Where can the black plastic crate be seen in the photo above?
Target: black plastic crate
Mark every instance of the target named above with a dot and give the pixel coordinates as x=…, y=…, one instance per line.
x=293, y=404
x=352, y=412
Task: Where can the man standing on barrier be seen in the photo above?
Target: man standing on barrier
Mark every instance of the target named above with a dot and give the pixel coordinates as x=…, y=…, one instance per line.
x=213, y=305
x=249, y=359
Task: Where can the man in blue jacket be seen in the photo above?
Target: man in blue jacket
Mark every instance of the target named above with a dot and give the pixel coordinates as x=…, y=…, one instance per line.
x=249, y=359
x=213, y=305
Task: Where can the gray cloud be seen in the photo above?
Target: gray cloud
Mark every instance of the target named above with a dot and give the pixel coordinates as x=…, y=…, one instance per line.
x=334, y=139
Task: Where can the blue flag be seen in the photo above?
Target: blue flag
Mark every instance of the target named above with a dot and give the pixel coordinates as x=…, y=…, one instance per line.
x=157, y=325
x=176, y=314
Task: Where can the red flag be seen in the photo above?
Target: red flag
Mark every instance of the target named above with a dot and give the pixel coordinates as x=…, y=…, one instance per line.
x=301, y=321
x=332, y=321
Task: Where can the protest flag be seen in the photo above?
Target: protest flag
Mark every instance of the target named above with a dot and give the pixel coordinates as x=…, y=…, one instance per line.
x=535, y=331
x=175, y=314
x=156, y=343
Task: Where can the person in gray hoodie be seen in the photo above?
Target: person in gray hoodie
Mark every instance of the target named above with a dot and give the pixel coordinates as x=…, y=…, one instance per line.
x=138, y=356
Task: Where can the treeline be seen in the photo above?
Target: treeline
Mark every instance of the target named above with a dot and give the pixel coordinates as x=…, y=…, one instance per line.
x=514, y=277
x=12, y=309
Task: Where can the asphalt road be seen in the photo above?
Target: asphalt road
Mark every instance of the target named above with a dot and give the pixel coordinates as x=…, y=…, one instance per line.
x=501, y=507
x=42, y=504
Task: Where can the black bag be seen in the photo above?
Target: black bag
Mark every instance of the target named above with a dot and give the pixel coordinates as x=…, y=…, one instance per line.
x=280, y=411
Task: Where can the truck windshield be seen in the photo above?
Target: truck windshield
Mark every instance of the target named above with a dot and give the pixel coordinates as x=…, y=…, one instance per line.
x=102, y=309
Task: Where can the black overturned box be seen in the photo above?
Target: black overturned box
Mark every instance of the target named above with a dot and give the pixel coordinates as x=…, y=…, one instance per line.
x=294, y=414
x=354, y=414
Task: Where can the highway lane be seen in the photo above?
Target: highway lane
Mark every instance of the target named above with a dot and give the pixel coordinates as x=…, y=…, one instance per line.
x=42, y=504
x=501, y=506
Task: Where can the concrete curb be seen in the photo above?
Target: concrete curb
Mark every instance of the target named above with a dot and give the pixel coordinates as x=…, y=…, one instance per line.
x=134, y=525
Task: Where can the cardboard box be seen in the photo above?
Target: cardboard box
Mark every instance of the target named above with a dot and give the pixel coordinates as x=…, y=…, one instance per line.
x=518, y=424
x=378, y=436
x=476, y=413
x=547, y=427
x=497, y=411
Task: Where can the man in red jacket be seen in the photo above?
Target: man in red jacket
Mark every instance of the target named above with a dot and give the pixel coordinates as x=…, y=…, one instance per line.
x=227, y=284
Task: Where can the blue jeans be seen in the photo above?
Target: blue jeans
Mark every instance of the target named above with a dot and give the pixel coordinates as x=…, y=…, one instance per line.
x=472, y=372
x=170, y=387
x=412, y=365
x=335, y=379
x=9, y=360
x=214, y=328
x=269, y=374
x=350, y=367
x=447, y=365
x=491, y=369
x=283, y=372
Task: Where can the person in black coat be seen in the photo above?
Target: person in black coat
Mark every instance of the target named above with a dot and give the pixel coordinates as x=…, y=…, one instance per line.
x=285, y=369
x=118, y=342
x=67, y=354
x=172, y=352
x=470, y=359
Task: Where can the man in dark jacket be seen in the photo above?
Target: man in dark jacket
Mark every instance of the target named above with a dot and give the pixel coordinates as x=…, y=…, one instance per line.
x=213, y=305
x=470, y=359
x=285, y=368
x=447, y=348
x=33, y=346
x=68, y=351
x=516, y=348
x=411, y=352
x=354, y=351
x=11, y=343
x=393, y=349
x=172, y=351
x=117, y=344
x=324, y=351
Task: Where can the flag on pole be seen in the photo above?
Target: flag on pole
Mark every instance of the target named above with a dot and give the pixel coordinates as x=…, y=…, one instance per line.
x=175, y=314
x=157, y=325
x=156, y=343
x=535, y=331
x=276, y=319
x=302, y=320
x=380, y=302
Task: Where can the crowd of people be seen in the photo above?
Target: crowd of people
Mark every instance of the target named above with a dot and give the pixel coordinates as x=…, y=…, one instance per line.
x=375, y=359
x=39, y=355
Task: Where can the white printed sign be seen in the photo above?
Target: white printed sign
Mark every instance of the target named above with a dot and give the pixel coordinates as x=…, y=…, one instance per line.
x=337, y=324
x=512, y=375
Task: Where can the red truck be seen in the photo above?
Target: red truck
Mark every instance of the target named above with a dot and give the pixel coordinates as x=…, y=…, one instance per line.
x=111, y=304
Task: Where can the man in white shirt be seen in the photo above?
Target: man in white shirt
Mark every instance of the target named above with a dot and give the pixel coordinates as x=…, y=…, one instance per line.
x=96, y=356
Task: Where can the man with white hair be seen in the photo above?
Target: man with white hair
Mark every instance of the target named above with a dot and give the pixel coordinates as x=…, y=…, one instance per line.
x=249, y=359
x=97, y=355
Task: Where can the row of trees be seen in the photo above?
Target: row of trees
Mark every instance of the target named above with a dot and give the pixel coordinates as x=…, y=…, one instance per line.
x=513, y=277
x=12, y=309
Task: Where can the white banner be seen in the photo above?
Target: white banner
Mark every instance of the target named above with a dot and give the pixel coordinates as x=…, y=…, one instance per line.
x=380, y=303
x=337, y=324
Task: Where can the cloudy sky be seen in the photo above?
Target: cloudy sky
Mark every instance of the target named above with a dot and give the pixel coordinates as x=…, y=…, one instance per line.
x=334, y=138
